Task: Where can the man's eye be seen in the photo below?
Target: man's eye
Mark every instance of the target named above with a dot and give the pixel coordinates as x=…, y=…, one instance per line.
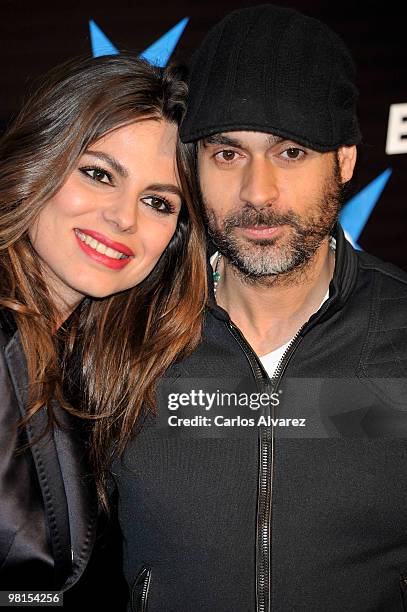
x=98, y=174
x=293, y=153
x=161, y=205
x=227, y=155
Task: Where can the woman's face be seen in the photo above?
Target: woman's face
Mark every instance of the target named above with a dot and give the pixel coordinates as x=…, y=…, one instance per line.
x=108, y=225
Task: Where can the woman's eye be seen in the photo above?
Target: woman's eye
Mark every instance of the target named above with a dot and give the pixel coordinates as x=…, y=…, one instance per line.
x=161, y=205
x=97, y=174
x=293, y=153
x=227, y=155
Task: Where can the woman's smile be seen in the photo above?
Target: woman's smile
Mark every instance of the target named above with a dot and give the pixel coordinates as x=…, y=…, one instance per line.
x=98, y=247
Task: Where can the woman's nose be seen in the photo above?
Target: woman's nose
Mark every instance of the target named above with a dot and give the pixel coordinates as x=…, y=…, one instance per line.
x=122, y=214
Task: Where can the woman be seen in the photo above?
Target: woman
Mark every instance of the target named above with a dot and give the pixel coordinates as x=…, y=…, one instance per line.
x=98, y=239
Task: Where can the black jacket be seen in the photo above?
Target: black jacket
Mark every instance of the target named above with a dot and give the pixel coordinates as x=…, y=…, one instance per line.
x=314, y=518
x=47, y=497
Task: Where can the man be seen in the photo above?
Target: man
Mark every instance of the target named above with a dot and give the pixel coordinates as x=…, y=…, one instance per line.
x=304, y=506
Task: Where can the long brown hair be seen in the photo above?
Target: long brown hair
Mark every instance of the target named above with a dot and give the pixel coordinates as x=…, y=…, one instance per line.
x=126, y=341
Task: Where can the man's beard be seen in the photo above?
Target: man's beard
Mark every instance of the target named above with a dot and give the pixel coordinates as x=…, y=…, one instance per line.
x=284, y=256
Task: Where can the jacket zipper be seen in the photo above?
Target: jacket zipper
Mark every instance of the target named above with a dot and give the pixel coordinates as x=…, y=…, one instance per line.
x=139, y=595
x=266, y=466
x=144, y=592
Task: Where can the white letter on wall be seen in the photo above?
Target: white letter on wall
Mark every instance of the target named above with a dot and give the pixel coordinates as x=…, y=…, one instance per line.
x=397, y=130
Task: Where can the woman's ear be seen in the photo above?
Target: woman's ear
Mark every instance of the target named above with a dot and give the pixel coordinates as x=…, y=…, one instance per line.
x=347, y=160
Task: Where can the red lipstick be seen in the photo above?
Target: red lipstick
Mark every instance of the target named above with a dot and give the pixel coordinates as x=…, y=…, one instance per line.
x=109, y=262
x=105, y=240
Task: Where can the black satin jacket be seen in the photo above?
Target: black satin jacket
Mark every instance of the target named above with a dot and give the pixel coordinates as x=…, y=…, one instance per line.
x=48, y=506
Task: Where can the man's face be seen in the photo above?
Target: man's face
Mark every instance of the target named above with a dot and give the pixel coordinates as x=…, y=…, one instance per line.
x=269, y=201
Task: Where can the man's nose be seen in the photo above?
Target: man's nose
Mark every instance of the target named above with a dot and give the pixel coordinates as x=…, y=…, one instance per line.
x=260, y=183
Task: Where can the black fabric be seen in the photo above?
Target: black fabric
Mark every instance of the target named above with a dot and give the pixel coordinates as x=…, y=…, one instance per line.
x=47, y=468
x=25, y=548
x=271, y=69
x=102, y=585
x=48, y=500
x=187, y=503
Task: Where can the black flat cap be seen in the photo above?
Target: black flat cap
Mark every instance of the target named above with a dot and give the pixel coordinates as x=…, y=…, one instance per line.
x=272, y=69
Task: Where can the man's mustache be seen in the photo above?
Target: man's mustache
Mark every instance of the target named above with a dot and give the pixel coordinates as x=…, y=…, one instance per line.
x=250, y=217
